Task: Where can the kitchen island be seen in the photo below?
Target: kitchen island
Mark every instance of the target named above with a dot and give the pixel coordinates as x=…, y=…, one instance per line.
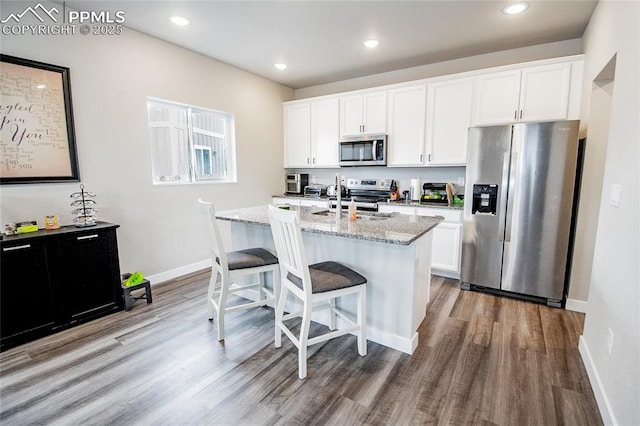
x=393, y=251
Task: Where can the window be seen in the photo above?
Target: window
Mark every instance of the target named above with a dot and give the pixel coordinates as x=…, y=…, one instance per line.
x=190, y=144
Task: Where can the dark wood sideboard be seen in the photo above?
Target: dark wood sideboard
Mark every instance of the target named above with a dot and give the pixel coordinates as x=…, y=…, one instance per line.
x=53, y=280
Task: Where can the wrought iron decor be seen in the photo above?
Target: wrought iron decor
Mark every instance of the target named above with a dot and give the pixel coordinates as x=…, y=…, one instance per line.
x=85, y=208
x=37, y=138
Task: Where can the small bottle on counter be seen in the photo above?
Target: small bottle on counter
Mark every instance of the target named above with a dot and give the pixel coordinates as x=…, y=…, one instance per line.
x=353, y=213
x=393, y=190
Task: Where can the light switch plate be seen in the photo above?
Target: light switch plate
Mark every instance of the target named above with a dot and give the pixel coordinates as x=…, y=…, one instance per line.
x=614, y=196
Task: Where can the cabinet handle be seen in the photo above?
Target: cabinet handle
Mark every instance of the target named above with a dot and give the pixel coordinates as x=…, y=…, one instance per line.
x=26, y=246
x=87, y=237
x=314, y=160
x=515, y=114
x=421, y=157
x=521, y=114
x=308, y=162
x=429, y=159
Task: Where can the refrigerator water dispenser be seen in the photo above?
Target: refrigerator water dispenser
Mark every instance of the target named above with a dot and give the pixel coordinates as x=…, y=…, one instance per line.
x=485, y=199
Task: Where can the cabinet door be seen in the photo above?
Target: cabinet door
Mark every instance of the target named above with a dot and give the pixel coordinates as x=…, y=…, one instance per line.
x=407, y=116
x=449, y=109
x=26, y=299
x=86, y=274
x=447, y=241
x=351, y=115
x=396, y=208
x=280, y=201
x=310, y=202
x=498, y=98
x=297, y=135
x=375, y=113
x=446, y=247
x=361, y=114
x=545, y=92
x=325, y=132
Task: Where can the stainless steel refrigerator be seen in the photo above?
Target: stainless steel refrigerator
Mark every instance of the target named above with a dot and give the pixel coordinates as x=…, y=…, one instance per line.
x=519, y=192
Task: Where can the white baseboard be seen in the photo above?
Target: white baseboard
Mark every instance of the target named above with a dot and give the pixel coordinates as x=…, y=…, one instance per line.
x=446, y=274
x=576, y=305
x=178, y=272
x=606, y=412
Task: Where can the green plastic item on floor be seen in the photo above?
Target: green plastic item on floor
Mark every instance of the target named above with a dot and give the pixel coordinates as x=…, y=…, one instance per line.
x=135, y=279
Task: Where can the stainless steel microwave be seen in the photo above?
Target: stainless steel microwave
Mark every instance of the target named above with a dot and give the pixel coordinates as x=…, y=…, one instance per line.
x=367, y=150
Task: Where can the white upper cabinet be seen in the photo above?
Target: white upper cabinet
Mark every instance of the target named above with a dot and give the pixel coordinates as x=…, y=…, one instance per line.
x=449, y=115
x=531, y=94
x=297, y=135
x=545, y=92
x=311, y=134
x=407, y=114
x=325, y=132
x=366, y=113
x=427, y=121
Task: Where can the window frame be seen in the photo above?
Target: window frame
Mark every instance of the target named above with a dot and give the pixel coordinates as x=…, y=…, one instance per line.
x=174, y=126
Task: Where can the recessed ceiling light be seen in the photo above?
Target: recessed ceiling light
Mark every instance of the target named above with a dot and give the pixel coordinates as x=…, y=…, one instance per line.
x=41, y=86
x=179, y=20
x=371, y=43
x=515, y=8
x=280, y=66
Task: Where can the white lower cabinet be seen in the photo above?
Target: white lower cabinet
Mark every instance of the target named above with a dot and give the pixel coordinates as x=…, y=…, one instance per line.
x=305, y=202
x=314, y=202
x=395, y=208
x=280, y=201
x=447, y=237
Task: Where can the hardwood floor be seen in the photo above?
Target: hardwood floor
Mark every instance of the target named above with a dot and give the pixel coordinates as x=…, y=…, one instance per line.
x=481, y=360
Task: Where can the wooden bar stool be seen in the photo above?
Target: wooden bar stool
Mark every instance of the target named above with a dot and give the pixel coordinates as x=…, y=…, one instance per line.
x=232, y=266
x=320, y=282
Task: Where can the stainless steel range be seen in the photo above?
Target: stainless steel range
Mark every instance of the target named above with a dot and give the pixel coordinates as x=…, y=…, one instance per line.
x=366, y=193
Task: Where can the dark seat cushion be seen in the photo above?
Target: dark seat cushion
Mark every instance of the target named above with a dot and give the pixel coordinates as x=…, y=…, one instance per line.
x=327, y=276
x=249, y=258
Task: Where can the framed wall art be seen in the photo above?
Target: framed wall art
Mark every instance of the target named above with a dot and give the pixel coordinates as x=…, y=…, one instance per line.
x=37, y=138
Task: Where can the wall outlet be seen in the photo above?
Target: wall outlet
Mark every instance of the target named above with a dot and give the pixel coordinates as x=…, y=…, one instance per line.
x=610, y=342
x=461, y=182
x=614, y=195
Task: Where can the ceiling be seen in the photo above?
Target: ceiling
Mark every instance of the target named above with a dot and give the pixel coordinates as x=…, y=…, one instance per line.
x=321, y=41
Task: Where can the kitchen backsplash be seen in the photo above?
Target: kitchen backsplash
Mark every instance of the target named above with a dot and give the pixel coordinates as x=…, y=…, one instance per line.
x=401, y=174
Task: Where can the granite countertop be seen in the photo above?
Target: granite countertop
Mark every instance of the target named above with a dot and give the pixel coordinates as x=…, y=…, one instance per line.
x=423, y=204
x=391, y=228
x=393, y=203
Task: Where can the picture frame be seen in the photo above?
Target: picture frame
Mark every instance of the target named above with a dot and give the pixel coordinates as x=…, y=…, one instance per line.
x=37, y=134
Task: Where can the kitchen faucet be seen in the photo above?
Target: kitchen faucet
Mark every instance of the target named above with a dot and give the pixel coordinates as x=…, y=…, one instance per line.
x=339, y=196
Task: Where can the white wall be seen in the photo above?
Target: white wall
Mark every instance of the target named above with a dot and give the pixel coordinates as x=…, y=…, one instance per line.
x=614, y=294
x=111, y=76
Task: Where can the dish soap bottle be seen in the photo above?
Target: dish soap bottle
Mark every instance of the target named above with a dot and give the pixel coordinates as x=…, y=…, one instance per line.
x=352, y=211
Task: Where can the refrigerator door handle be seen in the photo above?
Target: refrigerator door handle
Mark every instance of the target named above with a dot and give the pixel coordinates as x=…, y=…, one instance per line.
x=512, y=190
x=503, y=197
